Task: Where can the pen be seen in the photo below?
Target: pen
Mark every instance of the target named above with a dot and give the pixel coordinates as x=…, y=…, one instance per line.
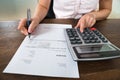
x=28, y=20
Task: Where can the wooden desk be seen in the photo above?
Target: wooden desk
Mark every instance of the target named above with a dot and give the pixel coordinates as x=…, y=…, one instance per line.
x=11, y=38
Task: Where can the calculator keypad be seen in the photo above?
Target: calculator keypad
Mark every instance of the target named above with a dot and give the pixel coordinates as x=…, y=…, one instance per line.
x=90, y=35
x=73, y=36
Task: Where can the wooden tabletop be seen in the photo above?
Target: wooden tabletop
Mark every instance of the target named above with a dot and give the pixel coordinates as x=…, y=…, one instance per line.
x=11, y=38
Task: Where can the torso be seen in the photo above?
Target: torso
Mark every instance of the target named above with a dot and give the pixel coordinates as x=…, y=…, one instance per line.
x=73, y=8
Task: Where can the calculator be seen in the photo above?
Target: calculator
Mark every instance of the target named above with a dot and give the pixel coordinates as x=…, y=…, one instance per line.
x=90, y=45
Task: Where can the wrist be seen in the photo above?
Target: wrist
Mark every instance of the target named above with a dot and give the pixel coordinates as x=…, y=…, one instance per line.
x=36, y=19
x=94, y=15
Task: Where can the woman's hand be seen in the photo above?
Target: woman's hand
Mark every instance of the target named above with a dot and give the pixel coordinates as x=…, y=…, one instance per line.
x=87, y=20
x=22, y=25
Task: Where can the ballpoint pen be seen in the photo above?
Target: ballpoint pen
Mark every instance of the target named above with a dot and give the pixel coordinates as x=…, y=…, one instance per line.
x=28, y=20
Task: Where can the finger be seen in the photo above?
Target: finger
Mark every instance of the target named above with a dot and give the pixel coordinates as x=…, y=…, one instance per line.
x=93, y=22
x=24, y=32
x=32, y=26
x=78, y=24
x=82, y=26
x=87, y=21
x=22, y=23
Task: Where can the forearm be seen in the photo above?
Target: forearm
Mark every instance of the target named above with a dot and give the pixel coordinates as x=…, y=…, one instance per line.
x=105, y=7
x=101, y=14
x=41, y=10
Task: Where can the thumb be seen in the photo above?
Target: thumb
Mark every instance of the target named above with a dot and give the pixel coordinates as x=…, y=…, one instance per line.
x=32, y=27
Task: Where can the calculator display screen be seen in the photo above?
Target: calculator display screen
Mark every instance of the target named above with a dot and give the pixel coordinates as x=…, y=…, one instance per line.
x=94, y=48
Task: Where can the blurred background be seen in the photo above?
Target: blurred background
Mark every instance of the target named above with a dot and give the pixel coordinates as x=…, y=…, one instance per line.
x=115, y=10
x=16, y=9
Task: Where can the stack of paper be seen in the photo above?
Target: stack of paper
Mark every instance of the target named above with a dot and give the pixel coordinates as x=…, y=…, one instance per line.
x=44, y=54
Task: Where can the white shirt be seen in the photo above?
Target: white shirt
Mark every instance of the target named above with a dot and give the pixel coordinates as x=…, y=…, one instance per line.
x=73, y=8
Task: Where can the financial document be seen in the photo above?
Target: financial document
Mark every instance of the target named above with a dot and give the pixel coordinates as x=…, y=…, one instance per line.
x=44, y=54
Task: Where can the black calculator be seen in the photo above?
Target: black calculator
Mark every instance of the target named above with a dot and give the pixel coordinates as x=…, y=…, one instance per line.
x=90, y=45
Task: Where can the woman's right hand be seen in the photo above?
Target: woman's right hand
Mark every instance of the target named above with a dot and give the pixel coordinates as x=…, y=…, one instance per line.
x=22, y=24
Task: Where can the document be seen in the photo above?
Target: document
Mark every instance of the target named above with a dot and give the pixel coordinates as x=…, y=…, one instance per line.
x=44, y=54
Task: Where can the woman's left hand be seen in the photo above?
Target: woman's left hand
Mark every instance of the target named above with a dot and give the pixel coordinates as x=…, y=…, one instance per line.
x=87, y=20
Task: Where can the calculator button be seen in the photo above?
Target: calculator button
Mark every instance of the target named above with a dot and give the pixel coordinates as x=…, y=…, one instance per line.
x=73, y=42
x=98, y=41
x=72, y=38
x=77, y=38
x=93, y=41
x=104, y=41
x=79, y=42
x=87, y=41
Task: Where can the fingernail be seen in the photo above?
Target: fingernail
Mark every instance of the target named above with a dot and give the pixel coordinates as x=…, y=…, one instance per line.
x=81, y=31
x=30, y=31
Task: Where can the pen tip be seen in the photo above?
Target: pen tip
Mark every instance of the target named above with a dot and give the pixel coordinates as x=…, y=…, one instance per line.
x=29, y=35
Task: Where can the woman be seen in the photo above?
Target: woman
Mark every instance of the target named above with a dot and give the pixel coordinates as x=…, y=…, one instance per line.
x=84, y=10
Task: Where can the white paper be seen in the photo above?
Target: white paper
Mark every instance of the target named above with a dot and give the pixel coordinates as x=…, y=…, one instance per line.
x=44, y=54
